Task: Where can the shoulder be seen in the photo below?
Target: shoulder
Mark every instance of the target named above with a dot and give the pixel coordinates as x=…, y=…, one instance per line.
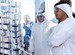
x=52, y=24
x=34, y=26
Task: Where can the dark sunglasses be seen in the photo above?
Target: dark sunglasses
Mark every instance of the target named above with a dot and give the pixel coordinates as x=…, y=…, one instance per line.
x=39, y=16
x=56, y=9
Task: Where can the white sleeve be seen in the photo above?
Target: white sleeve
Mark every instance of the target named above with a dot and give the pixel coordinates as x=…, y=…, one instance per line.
x=59, y=38
x=31, y=43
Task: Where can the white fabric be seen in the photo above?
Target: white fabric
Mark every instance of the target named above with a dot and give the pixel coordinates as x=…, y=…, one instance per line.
x=39, y=11
x=62, y=39
x=39, y=38
x=66, y=8
x=39, y=14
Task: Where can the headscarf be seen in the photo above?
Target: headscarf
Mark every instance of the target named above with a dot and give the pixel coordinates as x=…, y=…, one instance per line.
x=40, y=12
x=66, y=8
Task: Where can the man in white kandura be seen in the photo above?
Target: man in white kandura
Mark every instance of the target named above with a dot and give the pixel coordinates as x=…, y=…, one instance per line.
x=62, y=38
x=40, y=34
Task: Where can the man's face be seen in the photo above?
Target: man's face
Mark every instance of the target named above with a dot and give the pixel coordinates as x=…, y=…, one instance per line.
x=58, y=13
x=40, y=18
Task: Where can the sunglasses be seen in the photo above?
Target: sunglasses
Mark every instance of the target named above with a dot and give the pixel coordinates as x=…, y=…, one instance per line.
x=40, y=16
x=56, y=9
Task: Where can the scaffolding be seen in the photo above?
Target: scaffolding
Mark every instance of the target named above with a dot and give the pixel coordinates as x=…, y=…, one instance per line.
x=10, y=28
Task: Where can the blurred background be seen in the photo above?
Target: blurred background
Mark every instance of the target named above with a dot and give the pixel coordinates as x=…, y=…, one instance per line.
x=13, y=14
